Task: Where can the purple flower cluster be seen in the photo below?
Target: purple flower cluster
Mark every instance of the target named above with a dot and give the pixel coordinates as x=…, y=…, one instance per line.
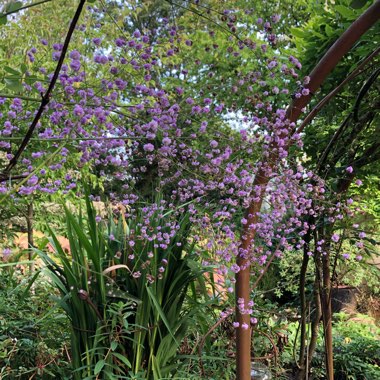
x=138, y=118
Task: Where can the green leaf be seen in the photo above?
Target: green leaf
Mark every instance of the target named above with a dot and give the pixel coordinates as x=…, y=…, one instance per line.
x=13, y=6
x=123, y=359
x=117, y=293
x=3, y=19
x=156, y=369
x=298, y=33
x=113, y=345
x=14, y=84
x=126, y=324
x=347, y=13
x=16, y=263
x=99, y=366
x=160, y=312
x=357, y=4
x=329, y=30
x=12, y=71
x=31, y=79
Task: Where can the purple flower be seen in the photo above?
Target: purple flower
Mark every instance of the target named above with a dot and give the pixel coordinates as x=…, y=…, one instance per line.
x=30, y=56
x=17, y=102
x=335, y=238
x=97, y=41
x=219, y=108
x=33, y=180
x=56, y=55
x=75, y=65
x=7, y=252
x=235, y=268
x=349, y=169
x=148, y=147
x=102, y=59
x=57, y=47
x=203, y=127
x=75, y=55
x=196, y=109
x=37, y=154
x=120, y=42
x=78, y=110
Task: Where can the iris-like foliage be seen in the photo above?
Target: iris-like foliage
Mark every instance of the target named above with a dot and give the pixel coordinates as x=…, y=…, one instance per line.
x=125, y=294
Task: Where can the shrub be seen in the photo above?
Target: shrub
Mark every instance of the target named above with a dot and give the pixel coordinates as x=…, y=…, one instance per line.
x=33, y=333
